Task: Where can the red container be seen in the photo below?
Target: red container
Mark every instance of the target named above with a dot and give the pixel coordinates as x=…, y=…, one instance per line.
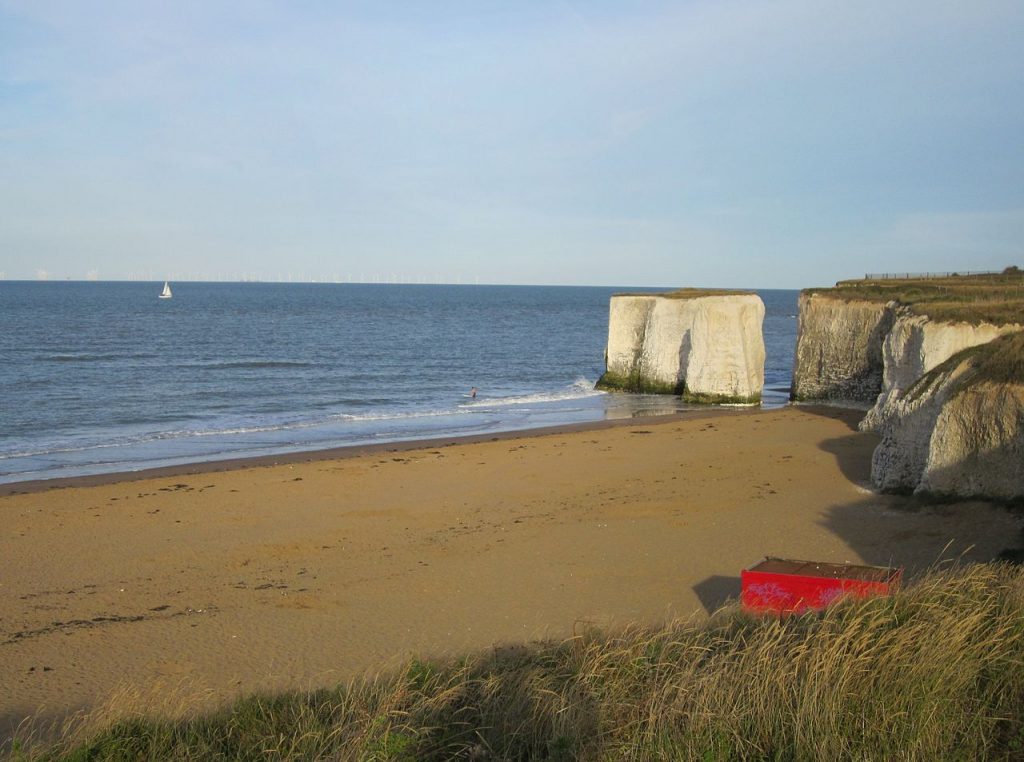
x=788, y=587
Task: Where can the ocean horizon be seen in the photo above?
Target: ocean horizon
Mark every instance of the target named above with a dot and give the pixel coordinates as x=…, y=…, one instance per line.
x=105, y=377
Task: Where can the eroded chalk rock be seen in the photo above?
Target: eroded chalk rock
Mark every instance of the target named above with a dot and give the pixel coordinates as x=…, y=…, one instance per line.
x=839, y=348
x=915, y=345
x=708, y=348
x=959, y=429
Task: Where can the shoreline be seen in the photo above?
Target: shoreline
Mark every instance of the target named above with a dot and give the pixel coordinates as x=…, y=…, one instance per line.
x=190, y=587
x=352, y=451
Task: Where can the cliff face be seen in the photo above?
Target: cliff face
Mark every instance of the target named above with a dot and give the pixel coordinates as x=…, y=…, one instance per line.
x=706, y=348
x=942, y=361
x=839, y=348
x=863, y=351
x=959, y=429
x=916, y=345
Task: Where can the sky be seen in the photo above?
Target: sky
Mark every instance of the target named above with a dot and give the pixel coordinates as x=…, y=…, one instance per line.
x=730, y=143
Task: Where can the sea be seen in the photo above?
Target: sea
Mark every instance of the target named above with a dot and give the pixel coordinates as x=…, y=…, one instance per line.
x=104, y=377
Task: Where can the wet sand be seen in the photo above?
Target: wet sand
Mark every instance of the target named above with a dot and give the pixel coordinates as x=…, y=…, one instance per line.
x=200, y=584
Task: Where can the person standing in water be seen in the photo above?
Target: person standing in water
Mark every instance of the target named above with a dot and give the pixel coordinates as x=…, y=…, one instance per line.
x=472, y=392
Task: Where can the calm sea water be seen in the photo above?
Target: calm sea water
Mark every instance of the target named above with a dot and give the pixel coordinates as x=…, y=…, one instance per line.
x=103, y=377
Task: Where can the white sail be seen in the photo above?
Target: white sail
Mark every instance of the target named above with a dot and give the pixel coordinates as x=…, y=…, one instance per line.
x=166, y=293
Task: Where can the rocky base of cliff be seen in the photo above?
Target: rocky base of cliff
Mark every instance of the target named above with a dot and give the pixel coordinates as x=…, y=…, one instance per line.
x=637, y=383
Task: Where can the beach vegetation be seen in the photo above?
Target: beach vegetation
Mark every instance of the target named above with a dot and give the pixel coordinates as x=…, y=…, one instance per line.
x=935, y=671
x=994, y=298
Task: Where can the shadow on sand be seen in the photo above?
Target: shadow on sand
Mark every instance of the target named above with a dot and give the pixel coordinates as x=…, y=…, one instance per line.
x=913, y=532
x=29, y=726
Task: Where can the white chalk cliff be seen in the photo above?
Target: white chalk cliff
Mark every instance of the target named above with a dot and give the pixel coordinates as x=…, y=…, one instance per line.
x=953, y=433
x=943, y=430
x=871, y=352
x=914, y=346
x=706, y=348
x=839, y=348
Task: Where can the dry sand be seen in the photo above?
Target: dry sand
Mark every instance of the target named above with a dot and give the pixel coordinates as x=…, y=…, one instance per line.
x=205, y=585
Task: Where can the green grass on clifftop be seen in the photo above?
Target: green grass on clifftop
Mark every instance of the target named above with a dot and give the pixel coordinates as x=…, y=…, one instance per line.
x=997, y=299
x=933, y=672
x=692, y=293
x=1000, y=361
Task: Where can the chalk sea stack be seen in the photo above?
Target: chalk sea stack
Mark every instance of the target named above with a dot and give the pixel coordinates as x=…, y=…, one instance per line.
x=705, y=345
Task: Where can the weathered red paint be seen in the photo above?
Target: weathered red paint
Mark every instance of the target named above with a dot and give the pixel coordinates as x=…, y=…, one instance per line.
x=786, y=586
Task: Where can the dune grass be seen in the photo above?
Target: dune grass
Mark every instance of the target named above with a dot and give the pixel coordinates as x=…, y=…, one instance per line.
x=997, y=299
x=934, y=672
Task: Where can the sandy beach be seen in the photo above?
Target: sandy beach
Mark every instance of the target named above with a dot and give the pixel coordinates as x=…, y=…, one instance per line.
x=199, y=584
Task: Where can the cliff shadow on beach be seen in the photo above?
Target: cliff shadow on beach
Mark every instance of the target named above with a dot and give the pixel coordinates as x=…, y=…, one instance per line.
x=849, y=416
x=915, y=532
x=849, y=449
x=919, y=534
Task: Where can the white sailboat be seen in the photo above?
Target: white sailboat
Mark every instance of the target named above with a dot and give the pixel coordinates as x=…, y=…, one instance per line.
x=166, y=293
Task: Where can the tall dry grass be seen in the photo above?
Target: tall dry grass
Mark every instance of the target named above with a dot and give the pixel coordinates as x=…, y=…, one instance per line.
x=934, y=672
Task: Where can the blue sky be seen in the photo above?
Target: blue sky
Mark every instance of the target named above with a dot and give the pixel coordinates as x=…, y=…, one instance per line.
x=786, y=143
